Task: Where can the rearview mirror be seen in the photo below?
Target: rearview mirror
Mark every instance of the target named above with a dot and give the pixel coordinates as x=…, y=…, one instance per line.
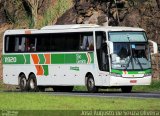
x=153, y=47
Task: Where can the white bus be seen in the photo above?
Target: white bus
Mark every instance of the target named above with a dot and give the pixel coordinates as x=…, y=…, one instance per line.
x=64, y=56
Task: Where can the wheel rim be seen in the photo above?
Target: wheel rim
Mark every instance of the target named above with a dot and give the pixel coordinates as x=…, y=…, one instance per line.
x=23, y=83
x=32, y=84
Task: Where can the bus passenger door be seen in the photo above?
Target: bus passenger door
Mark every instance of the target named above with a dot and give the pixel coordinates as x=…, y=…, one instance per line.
x=102, y=56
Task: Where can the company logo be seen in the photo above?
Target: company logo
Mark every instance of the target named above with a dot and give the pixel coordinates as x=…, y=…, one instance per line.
x=74, y=68
x=80, y=60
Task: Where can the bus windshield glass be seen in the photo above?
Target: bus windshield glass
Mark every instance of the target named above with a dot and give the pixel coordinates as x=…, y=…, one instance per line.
x=130, y=55
x=127, y=36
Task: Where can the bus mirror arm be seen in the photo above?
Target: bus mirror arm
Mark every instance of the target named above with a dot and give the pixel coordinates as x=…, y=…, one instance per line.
x=110, y=46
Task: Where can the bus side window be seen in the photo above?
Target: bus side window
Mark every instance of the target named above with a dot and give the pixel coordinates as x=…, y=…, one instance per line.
x=87, y=43
x=22, y=46
x=10, y=44
x=7, y=44
x=31, y=44
x=84, y=43
x=16, y=44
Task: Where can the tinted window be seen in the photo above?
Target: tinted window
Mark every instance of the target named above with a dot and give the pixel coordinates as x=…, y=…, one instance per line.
x=127, y=36
x=50, y=42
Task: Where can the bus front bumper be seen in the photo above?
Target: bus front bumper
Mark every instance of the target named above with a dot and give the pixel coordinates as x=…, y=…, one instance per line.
x=129, y=81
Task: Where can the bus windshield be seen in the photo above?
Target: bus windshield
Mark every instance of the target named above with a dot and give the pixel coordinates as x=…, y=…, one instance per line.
x=129, y=54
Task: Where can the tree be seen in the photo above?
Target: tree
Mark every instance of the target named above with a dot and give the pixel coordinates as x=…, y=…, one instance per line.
x=158, y=3
x=34, y=6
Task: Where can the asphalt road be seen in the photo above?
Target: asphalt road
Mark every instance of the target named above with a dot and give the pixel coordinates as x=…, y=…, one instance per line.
x=110, y=94
x=100, y=94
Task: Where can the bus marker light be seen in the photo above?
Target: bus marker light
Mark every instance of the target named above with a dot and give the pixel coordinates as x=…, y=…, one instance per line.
x=133, y=81
x=28, y=32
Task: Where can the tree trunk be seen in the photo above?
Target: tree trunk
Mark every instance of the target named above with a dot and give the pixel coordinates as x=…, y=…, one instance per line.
x=158, y=3
x=34, y=4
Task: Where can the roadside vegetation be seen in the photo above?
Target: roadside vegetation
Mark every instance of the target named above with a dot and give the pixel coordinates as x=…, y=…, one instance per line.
x=1, y=85
x=29, y=101
x=52, y=13
x=154, y=87
x=4, y=87
x=33, y=13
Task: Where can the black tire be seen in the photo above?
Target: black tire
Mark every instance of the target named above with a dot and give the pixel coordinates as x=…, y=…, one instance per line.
x=23, y=83
x=91, y=85
x=126, y=89
x=32, y=83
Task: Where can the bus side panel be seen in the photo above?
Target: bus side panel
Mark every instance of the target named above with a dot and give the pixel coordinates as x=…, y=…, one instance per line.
x=66, y=75
x=105, y=78
x=11, y=73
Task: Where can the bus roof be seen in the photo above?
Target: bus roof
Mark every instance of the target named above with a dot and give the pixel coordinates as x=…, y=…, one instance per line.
x=78, y=27
x=117, y=28
x=73, y=26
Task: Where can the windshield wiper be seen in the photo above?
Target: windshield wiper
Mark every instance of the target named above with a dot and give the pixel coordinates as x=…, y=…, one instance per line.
x=131, y=57
x=130, y=60
x=136, y=59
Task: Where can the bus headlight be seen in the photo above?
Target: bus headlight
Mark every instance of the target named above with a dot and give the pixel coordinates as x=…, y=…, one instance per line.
x=116, y=75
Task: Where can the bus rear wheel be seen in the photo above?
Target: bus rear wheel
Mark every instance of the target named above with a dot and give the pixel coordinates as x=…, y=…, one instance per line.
x=126, y=89
x=23, y=83
x=91, y=85
x=32, y=83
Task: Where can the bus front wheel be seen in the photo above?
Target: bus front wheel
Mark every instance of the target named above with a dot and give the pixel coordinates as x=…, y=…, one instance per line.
x=32, y=83
x=23, y=83
x=91, y=85
x=126, y=89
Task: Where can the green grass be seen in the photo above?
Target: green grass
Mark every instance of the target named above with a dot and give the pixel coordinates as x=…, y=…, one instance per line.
x=4, y=87
x=39, y=101
x=154, y=87
x=1, y=85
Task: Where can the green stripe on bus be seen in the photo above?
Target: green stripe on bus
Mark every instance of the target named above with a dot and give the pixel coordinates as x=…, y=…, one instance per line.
x=92, y=57
x=81, y=59
x=57, y=58
x=27, y=58
x=41, y=58
x=116, y=71
x=72, y=58
x=148, y=71
x=45, y=68
x=16, y=59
